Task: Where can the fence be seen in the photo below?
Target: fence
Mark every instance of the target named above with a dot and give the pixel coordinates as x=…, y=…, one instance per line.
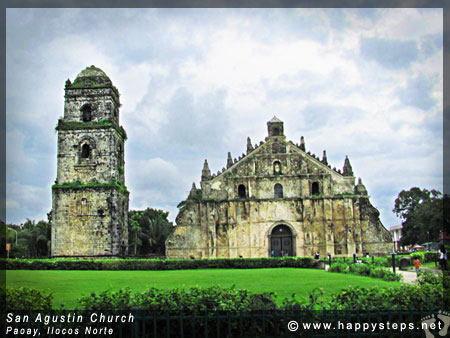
x=309, y=323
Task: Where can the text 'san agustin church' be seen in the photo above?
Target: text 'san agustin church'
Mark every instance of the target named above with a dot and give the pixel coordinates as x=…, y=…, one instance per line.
x=275, y=200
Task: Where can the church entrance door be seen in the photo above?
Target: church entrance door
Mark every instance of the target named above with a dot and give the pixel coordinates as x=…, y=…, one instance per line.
x=281, y=241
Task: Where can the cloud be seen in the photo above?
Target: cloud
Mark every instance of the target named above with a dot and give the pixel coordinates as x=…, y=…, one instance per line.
x=33, y=201
x=418, y=93
x=391, y=54
x=195, y=83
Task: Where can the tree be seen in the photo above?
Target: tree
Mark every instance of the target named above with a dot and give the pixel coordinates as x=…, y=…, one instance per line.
x=148, y=231
x=36, y=238
x=422, y=212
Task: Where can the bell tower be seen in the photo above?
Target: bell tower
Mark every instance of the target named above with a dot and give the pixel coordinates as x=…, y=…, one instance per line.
x=275, y=127
x=89, y=197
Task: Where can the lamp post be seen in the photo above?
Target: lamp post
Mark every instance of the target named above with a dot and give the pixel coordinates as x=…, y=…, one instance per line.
x=393, y=262
x=15, y=232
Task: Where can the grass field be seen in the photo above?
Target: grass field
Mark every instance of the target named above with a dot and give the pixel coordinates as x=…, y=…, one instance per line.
x=68, y=286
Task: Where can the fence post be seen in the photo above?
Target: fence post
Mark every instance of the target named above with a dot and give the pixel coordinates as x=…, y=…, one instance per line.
x=135, y=333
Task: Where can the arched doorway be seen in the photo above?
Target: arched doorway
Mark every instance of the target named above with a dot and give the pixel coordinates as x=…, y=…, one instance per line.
x=281, y=241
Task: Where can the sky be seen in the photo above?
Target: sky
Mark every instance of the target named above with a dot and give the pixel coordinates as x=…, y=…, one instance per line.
x=195, y=83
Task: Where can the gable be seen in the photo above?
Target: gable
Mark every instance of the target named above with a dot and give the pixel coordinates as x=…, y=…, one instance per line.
x=276, y=156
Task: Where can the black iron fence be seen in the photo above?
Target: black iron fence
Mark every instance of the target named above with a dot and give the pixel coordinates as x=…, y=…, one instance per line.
x=288, y=323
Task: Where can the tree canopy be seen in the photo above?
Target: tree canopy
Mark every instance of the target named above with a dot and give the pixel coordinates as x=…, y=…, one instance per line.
x=148, y=231
x=422, y=214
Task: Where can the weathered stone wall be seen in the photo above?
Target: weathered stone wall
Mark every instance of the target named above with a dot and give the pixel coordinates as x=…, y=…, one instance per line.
x=335, y=218
x=89, y=222
x=103, y=101
x=106, y=156
x=242, y=228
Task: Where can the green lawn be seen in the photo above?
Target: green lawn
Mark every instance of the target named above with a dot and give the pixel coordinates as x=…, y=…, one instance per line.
x=68, y=286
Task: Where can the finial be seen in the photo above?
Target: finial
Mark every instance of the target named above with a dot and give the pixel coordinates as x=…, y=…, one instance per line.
x=348, y=171
x=206, y=173
x=302, y=143
x=360, y=188
x=229, y=160
x=193, y=191
x=324, y=158
x=249, y=145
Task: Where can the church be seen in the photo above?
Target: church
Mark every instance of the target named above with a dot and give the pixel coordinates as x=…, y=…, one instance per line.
x=277, y=200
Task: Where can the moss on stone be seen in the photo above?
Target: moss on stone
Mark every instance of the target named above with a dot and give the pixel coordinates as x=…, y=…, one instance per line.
x=78, y=185
x=100, y=124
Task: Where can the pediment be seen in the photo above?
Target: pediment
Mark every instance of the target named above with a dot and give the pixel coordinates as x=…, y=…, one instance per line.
x=261, y=160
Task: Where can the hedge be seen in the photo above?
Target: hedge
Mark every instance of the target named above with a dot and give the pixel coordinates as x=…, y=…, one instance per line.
x=370, y=270
x=161, y=264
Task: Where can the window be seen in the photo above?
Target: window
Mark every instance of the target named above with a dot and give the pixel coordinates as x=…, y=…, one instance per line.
x=86, y=113
x=277, y=167
x=315, y=188
x=241, y=191
x=278, y=190
x=85, y=151
x=276, y=132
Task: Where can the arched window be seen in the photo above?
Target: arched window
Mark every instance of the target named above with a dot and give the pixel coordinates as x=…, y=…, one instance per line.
x=86, y=113
x=85, y=151
x=241, y=191
x=315, y=188
x=277, y=167
x=276, y=132
x=278, y=190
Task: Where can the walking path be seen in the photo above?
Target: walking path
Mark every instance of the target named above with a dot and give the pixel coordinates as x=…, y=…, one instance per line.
x=408, y=276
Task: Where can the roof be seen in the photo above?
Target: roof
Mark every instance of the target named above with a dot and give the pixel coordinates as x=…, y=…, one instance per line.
x=275, y=119
x=92, y=71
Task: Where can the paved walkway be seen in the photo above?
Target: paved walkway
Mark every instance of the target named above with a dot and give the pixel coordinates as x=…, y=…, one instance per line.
x=408, y=276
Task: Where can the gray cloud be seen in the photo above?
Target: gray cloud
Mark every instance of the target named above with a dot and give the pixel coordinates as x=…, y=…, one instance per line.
x=196, y=82
x=391, y=54
x=418, y=93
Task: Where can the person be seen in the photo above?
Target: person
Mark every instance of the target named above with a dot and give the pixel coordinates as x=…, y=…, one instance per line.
x=417, y=264
x=443, y=258
x=367, y=255
x=317, y=255
x=273, y=253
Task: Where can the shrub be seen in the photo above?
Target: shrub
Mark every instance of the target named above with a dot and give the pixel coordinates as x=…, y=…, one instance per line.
x=373, y=271
x=108, y=300
x=377, y=273
x=404, y=297
x=390, y=276
x=427, y=277
x=196, y=300
x=27, y=299
x=339, y=267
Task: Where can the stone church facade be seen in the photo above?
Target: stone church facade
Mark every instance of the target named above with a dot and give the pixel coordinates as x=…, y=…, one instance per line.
x=89, y=197
x=276, y=200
